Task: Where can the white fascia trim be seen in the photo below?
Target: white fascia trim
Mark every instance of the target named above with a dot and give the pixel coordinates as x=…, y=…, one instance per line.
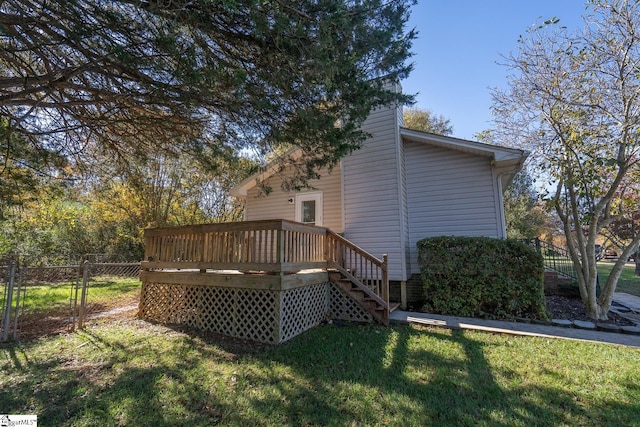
x=270, y=169
x=497, y=153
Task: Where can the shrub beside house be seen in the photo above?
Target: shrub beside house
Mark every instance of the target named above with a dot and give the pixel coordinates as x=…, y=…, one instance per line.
x=482, y=277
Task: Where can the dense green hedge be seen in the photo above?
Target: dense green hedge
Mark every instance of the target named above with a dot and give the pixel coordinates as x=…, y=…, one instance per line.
x=481, y=277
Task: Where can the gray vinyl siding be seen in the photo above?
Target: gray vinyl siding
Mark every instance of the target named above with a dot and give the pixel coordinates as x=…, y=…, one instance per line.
x=404, y=198
x=450, y=193
x=276, y=205
x=373, y=193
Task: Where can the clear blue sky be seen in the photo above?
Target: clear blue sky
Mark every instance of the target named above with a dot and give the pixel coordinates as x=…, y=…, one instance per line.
x=459, y=44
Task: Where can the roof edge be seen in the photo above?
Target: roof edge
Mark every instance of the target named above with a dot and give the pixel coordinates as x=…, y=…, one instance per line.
x=268, y=170
x=497, y=152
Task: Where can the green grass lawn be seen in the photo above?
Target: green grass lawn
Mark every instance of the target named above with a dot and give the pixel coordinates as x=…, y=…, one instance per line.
x=47, y=297
x=133, y=373
x=628, y=282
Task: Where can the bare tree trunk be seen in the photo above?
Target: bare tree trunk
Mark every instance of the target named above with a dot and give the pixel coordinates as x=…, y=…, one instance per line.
x=596, y=307
x=636, y=259
x=596, y=311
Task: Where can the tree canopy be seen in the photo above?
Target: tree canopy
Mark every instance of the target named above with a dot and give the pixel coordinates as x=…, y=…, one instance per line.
x=24, y=170
x=574, y=101
x=427, y=121
x=106, y=211
x=126, y=94
x=134, y=76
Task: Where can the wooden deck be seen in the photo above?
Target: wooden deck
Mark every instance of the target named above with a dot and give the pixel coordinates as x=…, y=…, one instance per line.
x=245, y=275
x=274, y=246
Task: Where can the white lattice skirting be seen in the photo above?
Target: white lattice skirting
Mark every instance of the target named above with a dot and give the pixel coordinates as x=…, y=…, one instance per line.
x=268, y=316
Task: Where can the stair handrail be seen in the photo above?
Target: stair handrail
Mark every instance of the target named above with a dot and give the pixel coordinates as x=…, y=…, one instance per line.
x=380, y=277
x=365, y=289
x=335, y=236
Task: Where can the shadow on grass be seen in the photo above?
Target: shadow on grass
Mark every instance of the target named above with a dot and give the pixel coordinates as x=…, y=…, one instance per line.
x=135, y=385
x=48, y=309
x=328, y=376
x=343, y=379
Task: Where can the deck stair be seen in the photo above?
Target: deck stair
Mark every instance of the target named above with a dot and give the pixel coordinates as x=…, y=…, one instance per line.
x=362, y=295
x=359, y=275
x=556, y=259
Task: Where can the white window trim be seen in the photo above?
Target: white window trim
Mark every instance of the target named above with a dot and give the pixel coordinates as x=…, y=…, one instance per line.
x=303, y=197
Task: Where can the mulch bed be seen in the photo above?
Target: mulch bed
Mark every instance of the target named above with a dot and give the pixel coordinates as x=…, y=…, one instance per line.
x=562, y=307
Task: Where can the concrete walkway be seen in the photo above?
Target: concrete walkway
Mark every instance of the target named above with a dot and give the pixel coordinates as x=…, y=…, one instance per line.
x=515, y=328
x=630, y=301
x=627, y=305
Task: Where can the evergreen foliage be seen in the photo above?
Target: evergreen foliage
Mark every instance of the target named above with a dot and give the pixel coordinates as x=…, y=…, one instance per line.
x=25, y=170
x=481, y=277
x=137, y=76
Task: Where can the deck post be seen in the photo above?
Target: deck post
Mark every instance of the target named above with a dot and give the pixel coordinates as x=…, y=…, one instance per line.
x=280, y=248
x=385, y=283
x=204, y=254
x=325, y=249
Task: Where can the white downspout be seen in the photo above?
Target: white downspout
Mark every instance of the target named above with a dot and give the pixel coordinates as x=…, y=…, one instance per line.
x=503, y=220
x=502, y=217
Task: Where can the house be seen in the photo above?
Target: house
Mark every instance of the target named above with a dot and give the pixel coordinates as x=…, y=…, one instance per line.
x=400, y=187
x=343, y=250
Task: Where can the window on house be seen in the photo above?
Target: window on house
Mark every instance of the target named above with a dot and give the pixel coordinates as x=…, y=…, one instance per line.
x=309, y=208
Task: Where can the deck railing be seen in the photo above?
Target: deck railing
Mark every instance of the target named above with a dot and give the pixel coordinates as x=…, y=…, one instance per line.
x=360, y=267
x=368, y=269
x=272, y=246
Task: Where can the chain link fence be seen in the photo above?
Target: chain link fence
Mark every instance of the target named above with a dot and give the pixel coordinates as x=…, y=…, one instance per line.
x=40, y=300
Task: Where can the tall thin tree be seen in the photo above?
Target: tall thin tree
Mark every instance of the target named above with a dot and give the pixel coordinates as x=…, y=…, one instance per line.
x=574, y=100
